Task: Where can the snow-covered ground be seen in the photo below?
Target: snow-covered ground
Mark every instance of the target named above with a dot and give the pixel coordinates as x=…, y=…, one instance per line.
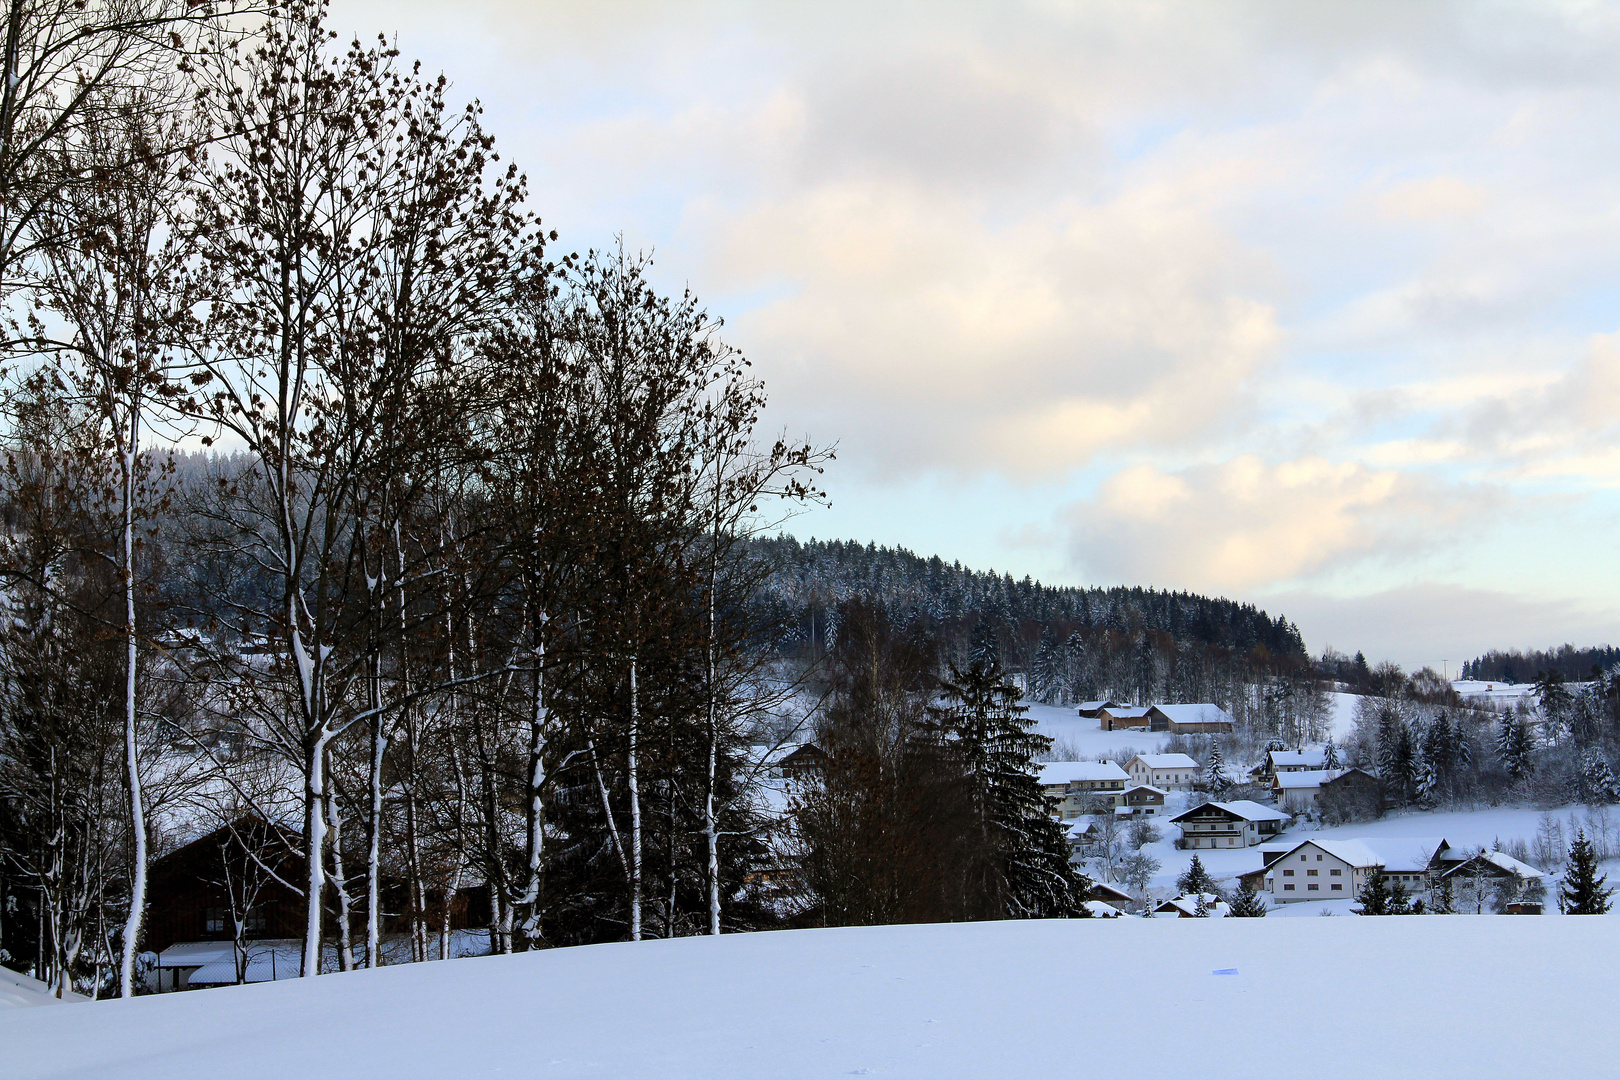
x=1497, y=693
x=1457, y=996
x=1069, y=730
x=18, y=991
x=1343, y=719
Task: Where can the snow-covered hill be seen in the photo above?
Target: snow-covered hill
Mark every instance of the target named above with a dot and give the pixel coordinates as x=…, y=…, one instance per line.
x=1437, y=997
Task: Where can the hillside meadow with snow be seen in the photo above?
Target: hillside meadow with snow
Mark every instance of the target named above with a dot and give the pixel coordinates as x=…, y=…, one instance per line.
x=1437, y=997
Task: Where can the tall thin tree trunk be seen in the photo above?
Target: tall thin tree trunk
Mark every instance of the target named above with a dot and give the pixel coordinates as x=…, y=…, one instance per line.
x=537, y=777
x=711, y=833
x=635, y=810
x=132, y=759
x=340, y=881
x=315, y=853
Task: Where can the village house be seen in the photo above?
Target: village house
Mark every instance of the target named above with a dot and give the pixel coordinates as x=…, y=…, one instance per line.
x=1122, y=718
x=1286, y=761
x=221, y=909
x=1229, y=824
x=1144, y=800
x=1111, y=895
x=1082, y=834
x=1339, y=869
x=802, y=763
x=1303, y=791
x=1169, y=772
x=1202, y=718
x=1501, y=876
x=1186, y=907
x=1073, y=785
x=1090, y=710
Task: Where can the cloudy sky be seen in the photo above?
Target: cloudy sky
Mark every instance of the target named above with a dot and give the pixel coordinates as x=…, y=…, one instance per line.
x=1312, y=305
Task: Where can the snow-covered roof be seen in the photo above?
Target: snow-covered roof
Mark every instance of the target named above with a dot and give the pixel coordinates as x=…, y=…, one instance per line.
x=1146, y=787
x=1396, y=854
x=1202, y=712
x=1309, y=778
x=1081, y=827
x=1312, y=758
x=1113, y=890
x=1100, y=910
x=1166, y=761
x=1074, y=772
x=1243, y=808
x=1093, y=706
x=1503, y=861
x=1216, y=907
x=1126, y=712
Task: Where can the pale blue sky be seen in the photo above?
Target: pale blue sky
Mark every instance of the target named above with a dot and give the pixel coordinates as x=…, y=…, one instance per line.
x=1312, y=305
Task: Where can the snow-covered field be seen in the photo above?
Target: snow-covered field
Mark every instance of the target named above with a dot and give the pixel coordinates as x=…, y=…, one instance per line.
x=1498, y=693
x=1458, y=996
x=1069, y=730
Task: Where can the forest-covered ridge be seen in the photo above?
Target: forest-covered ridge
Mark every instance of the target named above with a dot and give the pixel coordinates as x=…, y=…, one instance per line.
x=815, y=576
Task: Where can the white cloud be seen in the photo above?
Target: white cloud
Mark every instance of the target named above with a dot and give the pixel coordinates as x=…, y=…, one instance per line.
x=1247, y=523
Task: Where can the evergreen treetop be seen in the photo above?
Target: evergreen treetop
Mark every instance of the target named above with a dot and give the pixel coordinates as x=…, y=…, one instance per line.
x=1246, y=902
x=1196, y=881
x=1374, y=896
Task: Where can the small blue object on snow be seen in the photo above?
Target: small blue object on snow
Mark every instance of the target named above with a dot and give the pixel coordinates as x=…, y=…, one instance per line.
x=1224, y=971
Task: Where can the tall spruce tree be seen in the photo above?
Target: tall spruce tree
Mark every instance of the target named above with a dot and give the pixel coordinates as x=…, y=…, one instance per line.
x=982, y=723
x=1584, y=892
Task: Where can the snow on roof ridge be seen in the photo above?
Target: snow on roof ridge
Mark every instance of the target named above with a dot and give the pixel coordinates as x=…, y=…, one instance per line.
x=1067, y=772
x=1166, y=761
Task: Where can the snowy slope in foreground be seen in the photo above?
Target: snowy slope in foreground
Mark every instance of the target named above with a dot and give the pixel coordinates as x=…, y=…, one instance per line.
x=1442, y=996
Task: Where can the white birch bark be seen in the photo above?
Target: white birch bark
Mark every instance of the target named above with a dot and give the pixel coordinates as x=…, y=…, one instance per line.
x=132, y=760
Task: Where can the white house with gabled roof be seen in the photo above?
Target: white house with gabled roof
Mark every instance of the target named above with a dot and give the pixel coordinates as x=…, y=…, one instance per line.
x=1338, y=869
x=1240, y=823
x=1170, y=772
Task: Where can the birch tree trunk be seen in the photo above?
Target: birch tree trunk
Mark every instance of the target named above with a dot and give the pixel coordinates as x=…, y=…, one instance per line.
x=132, y=760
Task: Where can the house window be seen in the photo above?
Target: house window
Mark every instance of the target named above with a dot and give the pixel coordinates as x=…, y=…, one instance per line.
x=1304, y=858
x=213, y=920
x=254, y=923
x=1319, y=858
x=1288, y=873
x=1310, y=873
x=1337, y=887
x=1313, y=887
x=1335, y=873
x=1288, y=888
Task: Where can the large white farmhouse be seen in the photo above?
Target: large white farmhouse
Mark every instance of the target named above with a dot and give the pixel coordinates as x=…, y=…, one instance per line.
x=1171, y=772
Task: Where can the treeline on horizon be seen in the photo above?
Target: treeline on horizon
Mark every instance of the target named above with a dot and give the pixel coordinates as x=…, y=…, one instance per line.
x=1566, y=661
x=809, y=579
